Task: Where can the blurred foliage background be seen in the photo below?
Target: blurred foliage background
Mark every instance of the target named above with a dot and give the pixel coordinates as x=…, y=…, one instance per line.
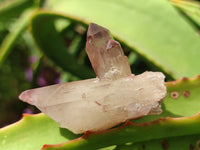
x=29, y=59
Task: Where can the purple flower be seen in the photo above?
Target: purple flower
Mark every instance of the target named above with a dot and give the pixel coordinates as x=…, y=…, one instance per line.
x=28, y=111
x=57, y=80
x=29, y=74
x=33, y=59
x=41, y=81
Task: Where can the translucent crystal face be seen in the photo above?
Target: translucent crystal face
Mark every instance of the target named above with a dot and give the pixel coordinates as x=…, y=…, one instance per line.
x=113, y=97
x=105, y=54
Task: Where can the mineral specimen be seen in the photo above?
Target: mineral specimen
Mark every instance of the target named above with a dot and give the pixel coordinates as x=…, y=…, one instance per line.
x=100, y=103
x=105, y=54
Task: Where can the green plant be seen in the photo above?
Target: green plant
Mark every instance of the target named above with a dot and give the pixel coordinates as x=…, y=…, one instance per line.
x=156, y=35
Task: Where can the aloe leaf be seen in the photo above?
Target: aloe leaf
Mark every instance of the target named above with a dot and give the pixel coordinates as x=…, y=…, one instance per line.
x=49, y=41
x=18, y=27
x=189, y=142
x=12, y=9
x=190, y=8
x=160, y=129
x=32, y=132
x=154, y=35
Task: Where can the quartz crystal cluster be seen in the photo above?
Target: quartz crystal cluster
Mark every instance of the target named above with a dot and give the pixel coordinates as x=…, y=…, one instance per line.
x=114, y=96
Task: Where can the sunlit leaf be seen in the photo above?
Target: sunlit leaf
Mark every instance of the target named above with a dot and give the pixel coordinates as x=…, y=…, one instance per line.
x=32, y=132
x=190, y=8
x=39, y=130
x=161, y=37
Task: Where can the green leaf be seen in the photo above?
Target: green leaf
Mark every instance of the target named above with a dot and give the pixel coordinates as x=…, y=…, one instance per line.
x=32, y=132
x=52, y=44
x=190, y=8
x=12, y=9
x=187, y=103
x=189, y=142
x=154, y=35
x=17, y=28
x=162, y=128
x=31, y=127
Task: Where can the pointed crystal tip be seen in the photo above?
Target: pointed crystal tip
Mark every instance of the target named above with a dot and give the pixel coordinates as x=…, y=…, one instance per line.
x=27, y=96
x=94, y=29
x=105, y=54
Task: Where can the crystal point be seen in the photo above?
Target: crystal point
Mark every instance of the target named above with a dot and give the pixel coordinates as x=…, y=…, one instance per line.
x=100, y=103
x=105, y=54
x=95, y=29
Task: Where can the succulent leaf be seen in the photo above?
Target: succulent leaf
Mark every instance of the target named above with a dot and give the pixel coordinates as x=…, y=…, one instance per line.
x=189, y=142
x=29, y=130
x=142, y=28
x=129, y=132
x=32, y=132
x=190, y=8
